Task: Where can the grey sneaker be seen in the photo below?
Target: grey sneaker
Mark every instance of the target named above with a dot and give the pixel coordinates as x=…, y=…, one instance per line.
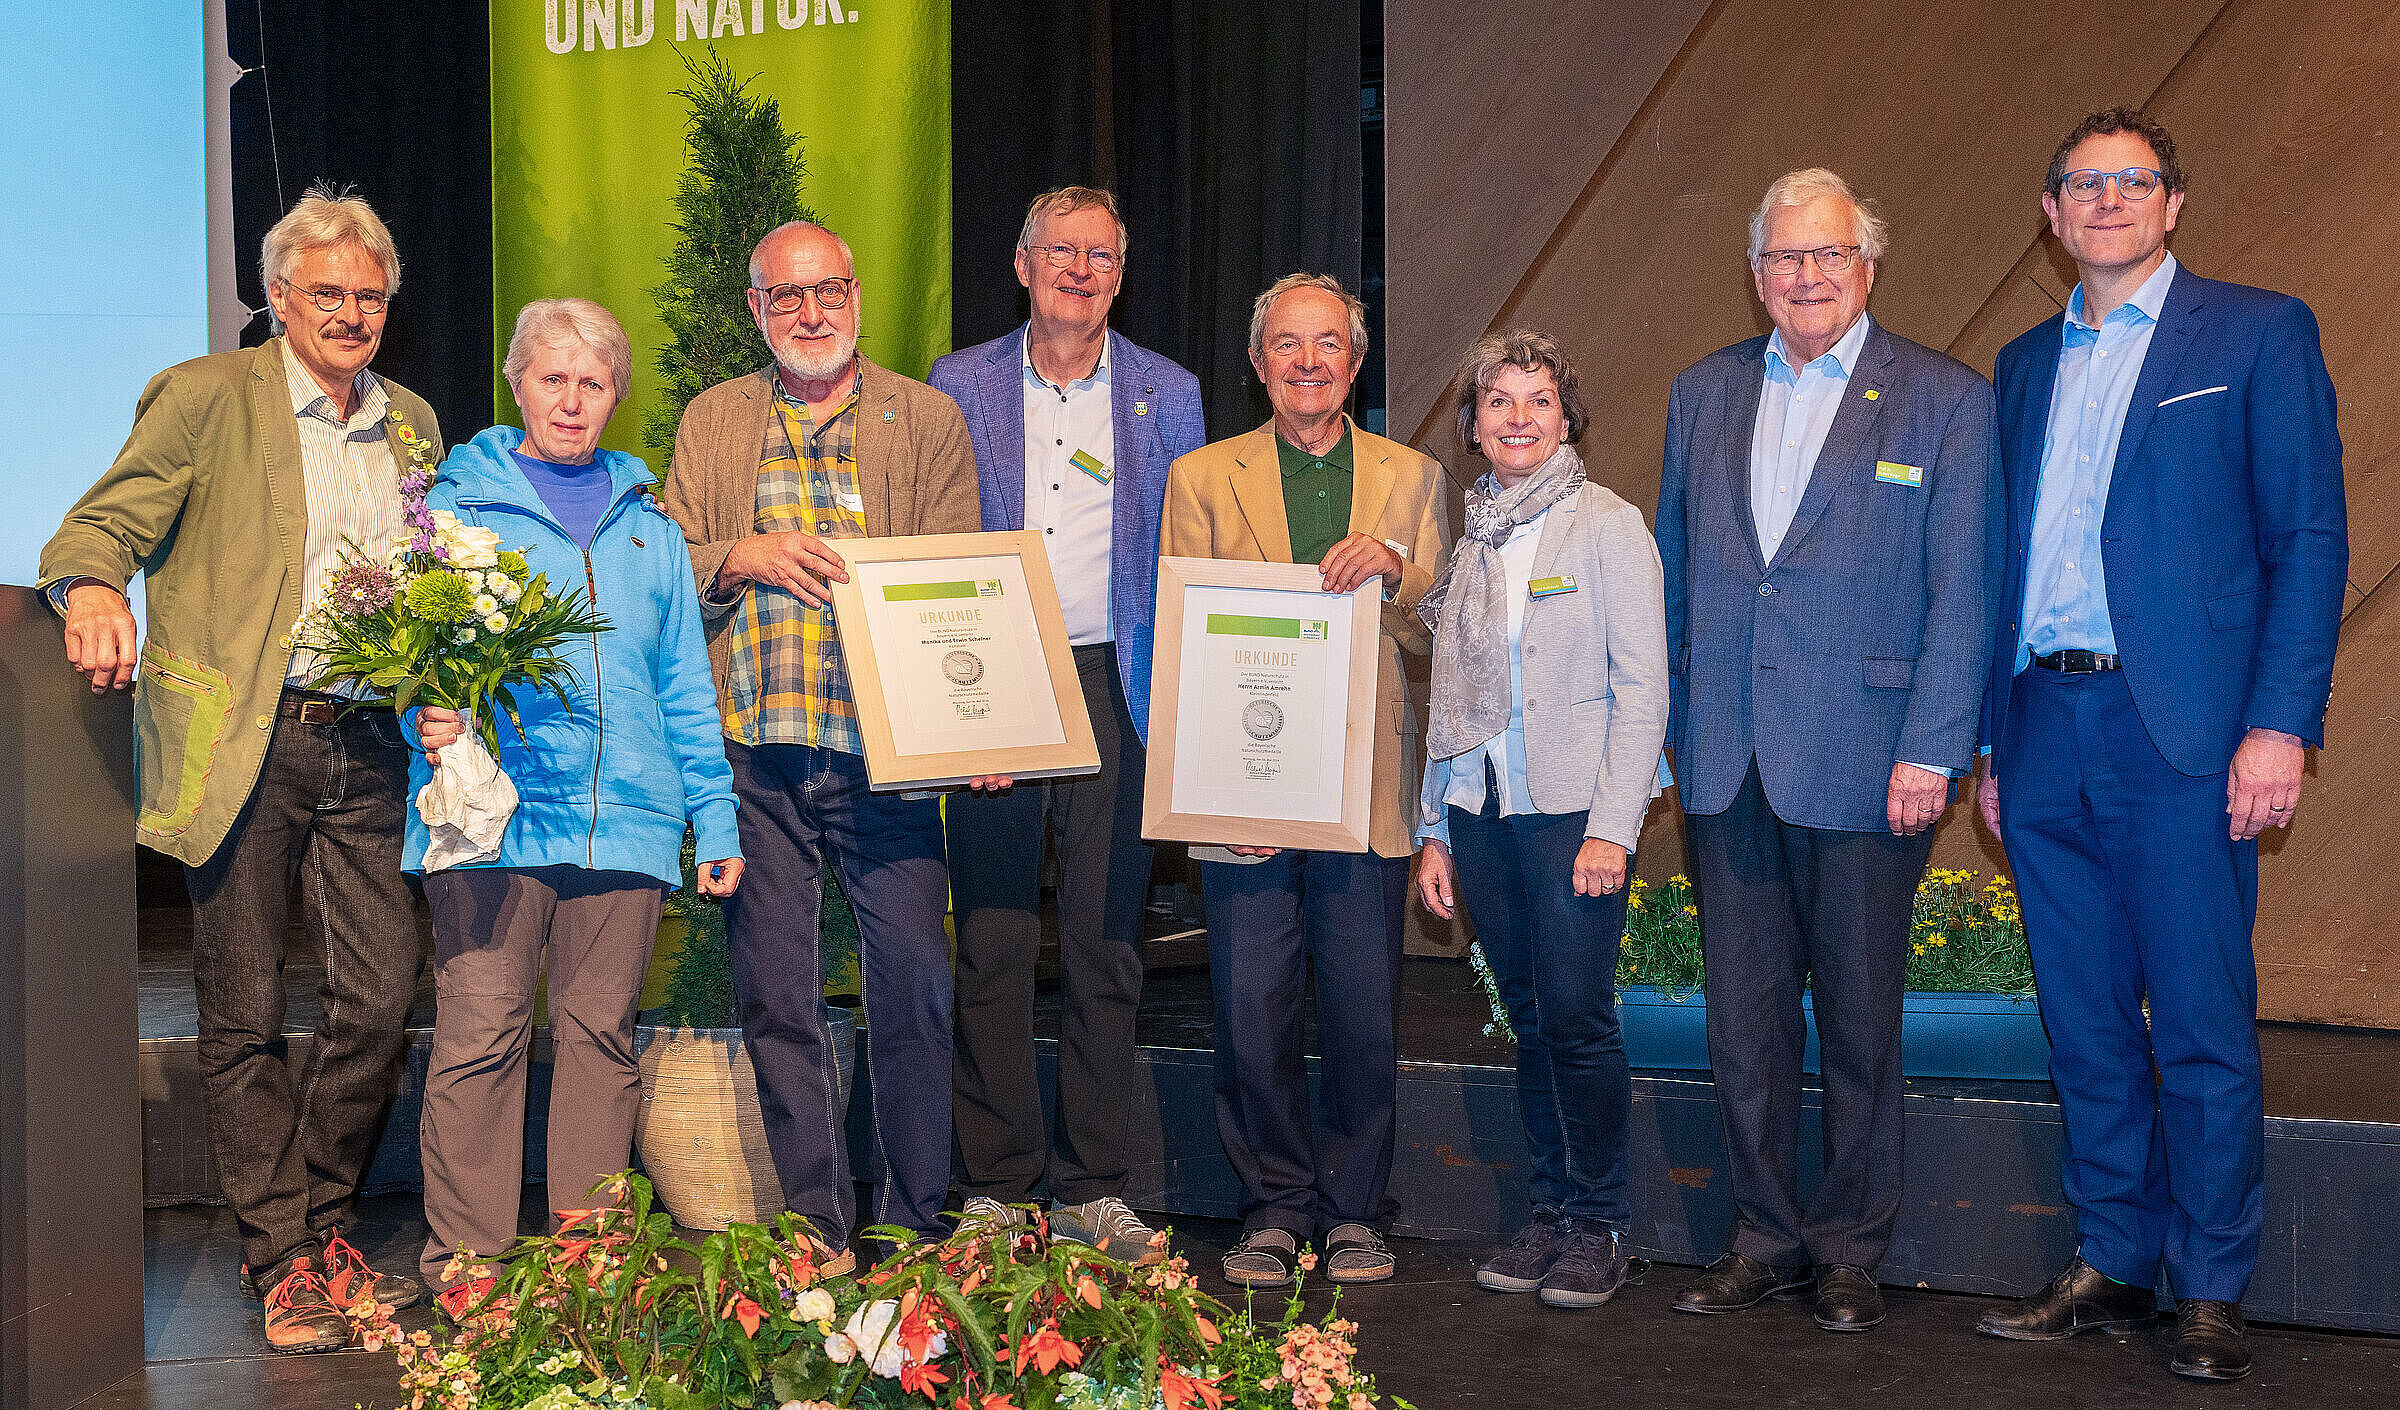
x=1355, y=1253
x=1589, y=1270
x=1109, y=1226
x=985, y=1216
x=1263, y=1259
x=1520, y=1267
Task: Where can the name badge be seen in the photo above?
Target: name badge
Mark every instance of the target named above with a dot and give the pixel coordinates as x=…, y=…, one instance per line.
x=855, y=503
x=1892, y=472
x=1550, y=587
x=1091, y=465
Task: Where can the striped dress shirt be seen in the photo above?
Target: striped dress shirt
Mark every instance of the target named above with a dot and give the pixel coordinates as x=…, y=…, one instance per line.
x=353, y=485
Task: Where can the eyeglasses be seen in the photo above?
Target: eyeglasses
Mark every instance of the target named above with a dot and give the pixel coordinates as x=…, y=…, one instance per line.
x=787, y=298
x=1104, y=259
x=330, y=300
x=1831, y=259
x=2134, y=183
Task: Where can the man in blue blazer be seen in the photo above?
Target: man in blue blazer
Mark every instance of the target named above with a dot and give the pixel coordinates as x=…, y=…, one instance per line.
x=1823, y=516
x=2174, y=565
x=1074, y=428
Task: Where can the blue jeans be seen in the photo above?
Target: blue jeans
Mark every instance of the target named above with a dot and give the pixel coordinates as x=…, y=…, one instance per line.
x=1554, y=954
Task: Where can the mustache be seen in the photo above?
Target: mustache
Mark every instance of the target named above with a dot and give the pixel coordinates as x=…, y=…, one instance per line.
x=345, y=328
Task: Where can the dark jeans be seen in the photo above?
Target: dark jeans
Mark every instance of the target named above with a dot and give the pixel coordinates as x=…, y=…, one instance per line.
x=1554, y=954
x=290, y=1146
x=1104, y=875
x=1781, y=907
x=801, y=806
x=1270, y=924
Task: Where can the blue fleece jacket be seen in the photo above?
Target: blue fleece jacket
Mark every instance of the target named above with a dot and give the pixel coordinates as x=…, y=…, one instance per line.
x=608, y=784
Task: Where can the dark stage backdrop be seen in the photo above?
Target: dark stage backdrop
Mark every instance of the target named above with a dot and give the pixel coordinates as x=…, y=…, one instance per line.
x=395, y=101
x=1229, y=131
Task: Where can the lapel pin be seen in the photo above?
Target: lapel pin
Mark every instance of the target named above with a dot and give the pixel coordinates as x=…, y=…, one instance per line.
x=1141, y=408
x=1870, y=395
x=887, y=416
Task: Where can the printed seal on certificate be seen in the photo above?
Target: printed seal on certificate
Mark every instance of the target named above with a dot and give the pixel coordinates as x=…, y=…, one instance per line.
x=1262, y=707
x=963, y=667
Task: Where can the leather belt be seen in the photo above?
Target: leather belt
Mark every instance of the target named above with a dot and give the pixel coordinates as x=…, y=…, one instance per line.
x=2076, y=661
x=311, y=707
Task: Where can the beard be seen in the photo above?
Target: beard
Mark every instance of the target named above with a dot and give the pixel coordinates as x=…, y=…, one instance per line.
x=821, y=366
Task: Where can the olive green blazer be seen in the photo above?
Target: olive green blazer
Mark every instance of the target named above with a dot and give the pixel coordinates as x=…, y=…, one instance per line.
x=208, y=498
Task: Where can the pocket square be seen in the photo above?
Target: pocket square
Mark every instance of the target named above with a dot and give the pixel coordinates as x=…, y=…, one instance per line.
x=2187, y=396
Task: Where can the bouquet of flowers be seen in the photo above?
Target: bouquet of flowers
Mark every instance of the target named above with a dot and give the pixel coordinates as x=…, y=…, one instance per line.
x=446, y=616
x=614, y=1311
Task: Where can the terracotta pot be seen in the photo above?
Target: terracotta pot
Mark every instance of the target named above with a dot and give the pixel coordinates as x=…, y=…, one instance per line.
x=701, y=1138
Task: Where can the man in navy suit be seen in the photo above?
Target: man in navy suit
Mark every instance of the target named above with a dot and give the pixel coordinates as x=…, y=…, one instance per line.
x=1823, y=515
x=2174, y=565
x=1074, y=428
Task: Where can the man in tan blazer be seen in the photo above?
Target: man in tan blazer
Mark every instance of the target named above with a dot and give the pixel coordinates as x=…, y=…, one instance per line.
x=246, y=475
x=1310, y=487
x=767, y=467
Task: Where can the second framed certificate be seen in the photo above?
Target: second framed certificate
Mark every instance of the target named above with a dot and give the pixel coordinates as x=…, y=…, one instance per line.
x=959, y=661
x=1262, y=707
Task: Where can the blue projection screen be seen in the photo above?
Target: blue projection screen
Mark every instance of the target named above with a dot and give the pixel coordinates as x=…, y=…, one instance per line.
x=104, y=225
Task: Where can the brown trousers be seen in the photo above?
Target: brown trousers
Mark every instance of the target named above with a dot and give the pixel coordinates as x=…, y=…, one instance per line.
x=491, y=928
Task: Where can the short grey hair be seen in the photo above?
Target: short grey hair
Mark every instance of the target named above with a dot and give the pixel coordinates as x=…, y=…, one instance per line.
x=1326, y=282
x=764, y=240
x=1530, y=350
x=566, y=323
x=1066, y=200
x=323, y=218
x=1798, y=188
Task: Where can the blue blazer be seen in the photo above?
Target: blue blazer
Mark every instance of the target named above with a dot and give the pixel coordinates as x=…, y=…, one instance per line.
x=1861, y=644
x=2226, y=541
x=1157, y=418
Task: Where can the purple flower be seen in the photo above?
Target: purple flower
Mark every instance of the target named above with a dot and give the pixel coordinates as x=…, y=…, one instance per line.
x=422, y=543
x=362, y=587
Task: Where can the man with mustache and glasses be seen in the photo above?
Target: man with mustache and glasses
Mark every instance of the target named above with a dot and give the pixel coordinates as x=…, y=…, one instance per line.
x=1074, y=428
x=1311, y=487
x=823, y=444
x=245, y=476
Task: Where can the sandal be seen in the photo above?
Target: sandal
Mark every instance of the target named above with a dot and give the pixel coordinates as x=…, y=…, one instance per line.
x=1263, y=1259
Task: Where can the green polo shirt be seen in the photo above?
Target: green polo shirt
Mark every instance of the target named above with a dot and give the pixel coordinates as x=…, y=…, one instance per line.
x=1316, y=496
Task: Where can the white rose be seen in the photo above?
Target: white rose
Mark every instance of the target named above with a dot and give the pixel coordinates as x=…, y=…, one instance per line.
x=486, y=604
x=495, y=624
x=469, y=546
x=871, y=1331
x=814, y=1305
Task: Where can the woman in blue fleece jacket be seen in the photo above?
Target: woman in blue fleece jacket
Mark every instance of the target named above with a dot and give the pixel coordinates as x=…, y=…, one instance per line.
x=606, y=782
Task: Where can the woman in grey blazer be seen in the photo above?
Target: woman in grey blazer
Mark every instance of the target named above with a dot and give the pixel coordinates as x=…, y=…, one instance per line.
x=1549, y=708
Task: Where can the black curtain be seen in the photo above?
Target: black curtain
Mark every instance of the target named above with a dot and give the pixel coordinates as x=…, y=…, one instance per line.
x=1229, y=132
x=394, y=101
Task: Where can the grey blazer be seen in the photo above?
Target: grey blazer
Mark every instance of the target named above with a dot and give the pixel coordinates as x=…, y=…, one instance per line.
x=1595, y=671
x=1855, y=648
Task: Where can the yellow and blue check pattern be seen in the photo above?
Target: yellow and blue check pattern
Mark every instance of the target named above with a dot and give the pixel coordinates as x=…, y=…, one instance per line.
x=787, y=681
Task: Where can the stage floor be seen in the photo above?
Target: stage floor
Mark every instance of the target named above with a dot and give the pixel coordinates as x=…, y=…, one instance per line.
x=1430, y=1336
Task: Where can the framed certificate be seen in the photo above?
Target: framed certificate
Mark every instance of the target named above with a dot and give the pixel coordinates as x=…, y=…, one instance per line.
x=959, y=661
x=1262, y=707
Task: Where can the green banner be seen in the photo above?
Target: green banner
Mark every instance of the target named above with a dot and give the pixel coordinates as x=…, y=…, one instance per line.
x=1290, y=629
x=588, y=144
x=928, y=592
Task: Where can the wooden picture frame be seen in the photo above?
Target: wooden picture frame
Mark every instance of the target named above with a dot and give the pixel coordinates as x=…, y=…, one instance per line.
x=1334, y=686
x=916, y=619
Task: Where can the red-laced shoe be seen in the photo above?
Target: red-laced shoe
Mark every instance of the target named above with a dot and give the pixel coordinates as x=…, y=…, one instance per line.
x=350, y=1282
x=300, y=1316
x=458, y=1301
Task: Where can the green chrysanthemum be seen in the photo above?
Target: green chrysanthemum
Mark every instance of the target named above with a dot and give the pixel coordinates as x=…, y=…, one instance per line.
x=513, y=564
x=441, y=596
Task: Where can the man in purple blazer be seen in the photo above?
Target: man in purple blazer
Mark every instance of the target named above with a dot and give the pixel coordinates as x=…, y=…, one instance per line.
x=1074, y=428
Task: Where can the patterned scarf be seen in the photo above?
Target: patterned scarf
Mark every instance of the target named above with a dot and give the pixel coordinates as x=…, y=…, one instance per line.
x=1468, y=608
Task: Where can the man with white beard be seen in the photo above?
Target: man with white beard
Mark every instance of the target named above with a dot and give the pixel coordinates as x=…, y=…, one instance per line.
x=823, y=444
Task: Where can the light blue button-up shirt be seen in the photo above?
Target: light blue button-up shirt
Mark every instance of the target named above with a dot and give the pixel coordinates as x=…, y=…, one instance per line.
x=2066, y=594
x=1795, y=411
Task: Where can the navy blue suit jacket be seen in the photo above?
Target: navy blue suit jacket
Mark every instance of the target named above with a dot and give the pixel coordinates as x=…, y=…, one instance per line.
x=1156, y=406
x=2226, y=542
x=1862, y=644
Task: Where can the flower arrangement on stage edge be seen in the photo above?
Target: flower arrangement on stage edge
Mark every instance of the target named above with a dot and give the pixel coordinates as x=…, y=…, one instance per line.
x=1963, y=938
x=615, y=1311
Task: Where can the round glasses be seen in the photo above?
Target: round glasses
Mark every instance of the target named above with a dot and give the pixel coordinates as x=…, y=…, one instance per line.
x=1102, y=257
x=2134, y=183
x=1831, y=259
x=329, y=299
x=787, y=298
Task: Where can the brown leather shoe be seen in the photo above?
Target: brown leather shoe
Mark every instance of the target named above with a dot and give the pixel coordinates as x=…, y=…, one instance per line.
x=2080, y=1299
x=300, y=1316
x=2211, y=1341
x=1736, y=1282
x=1847, y=1299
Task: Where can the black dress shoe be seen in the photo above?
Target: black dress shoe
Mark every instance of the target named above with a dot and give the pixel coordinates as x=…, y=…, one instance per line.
x=2080, y=1299
x=2211, y=1343
x=1734, y=1283
x=1847, y=1299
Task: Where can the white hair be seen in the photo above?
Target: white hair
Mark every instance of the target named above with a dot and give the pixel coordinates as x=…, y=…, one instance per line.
x=757, y=270
x=1798, y=188
x=320, y=220
x=1326, y=282
x=564, y=323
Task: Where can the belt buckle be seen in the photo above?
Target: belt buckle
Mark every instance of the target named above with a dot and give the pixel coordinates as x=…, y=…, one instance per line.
x=319, y=712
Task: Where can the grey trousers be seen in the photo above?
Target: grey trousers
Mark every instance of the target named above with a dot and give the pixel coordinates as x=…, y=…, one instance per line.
x=491, y=929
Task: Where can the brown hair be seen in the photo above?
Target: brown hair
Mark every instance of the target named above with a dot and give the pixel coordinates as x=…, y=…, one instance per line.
x=1530, y=350
x=2107, y=123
